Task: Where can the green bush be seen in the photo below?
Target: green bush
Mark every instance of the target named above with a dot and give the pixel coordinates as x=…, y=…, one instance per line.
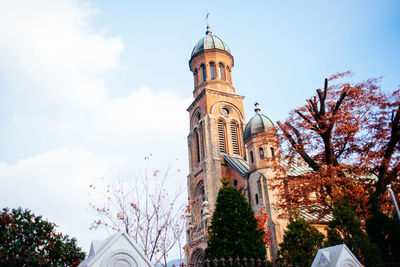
x=28, y=240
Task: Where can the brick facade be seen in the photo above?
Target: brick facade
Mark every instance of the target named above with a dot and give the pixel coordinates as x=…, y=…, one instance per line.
x=217, y=126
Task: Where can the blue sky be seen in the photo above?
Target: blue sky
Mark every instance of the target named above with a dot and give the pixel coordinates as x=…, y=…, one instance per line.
x=88, y=88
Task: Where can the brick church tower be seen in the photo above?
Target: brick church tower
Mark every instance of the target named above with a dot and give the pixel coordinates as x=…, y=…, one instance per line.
x=220, y=144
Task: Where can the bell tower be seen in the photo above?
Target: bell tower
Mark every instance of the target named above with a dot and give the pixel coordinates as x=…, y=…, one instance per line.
x=216, y=129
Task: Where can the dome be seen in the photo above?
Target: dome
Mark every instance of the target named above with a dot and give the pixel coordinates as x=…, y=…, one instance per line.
x=257, y=124
x=210, y=42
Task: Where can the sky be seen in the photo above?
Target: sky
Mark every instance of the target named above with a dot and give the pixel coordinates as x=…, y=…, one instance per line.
x=88, y=89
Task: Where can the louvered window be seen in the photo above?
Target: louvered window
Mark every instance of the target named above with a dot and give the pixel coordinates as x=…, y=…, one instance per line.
x=272, y=153
x=221, y=137
x=235, y=144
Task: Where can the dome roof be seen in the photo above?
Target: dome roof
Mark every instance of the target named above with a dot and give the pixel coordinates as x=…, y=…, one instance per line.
x=210, y=42
x=257, y=124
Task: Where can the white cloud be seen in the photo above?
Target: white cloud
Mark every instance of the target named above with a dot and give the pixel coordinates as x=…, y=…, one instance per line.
x=55, y=184
x=54, y=62
x=49, y=50
x=144, y=111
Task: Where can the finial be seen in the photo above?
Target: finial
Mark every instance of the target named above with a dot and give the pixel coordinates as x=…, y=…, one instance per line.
x=257, y=109
x=208, y=32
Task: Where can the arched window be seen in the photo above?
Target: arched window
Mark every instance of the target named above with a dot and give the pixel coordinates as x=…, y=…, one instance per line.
x=261, y=153
x=257, y=199
x=235, y=183
x=251, y=157
x=222, y=71
x=272, y=153
x=212, y=70
x=203, y=69
x=235, y=143
x=198, y=116
x=221, y=136
x=229, y=75
x=196, y=77
x=201, y=140
x=197, y=146
x=200, y=191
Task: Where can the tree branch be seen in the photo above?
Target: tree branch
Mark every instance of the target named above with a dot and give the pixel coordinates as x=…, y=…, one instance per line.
x=389, y=151
x=307, y=120
x=339, y=102
x=299, y=147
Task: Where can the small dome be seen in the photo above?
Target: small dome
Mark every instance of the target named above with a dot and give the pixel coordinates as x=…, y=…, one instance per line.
x=257, y=124
x=210, y=42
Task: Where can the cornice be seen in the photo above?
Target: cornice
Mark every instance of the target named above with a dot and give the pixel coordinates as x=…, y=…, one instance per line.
x=215, y=92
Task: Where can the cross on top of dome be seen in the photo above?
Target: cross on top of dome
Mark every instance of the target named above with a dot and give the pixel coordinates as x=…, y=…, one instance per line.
x=257, y=108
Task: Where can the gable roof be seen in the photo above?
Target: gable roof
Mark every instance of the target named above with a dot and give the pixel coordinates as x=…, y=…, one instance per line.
x=99, y=247
x=335, y=256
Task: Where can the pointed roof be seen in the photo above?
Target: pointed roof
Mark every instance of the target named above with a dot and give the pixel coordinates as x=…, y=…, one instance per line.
x=104, y=251
x=335, y=256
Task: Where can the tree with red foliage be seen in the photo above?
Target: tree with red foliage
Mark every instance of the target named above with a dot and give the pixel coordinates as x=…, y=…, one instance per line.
x=347, y=135
x=26, y=239
x=262, y=220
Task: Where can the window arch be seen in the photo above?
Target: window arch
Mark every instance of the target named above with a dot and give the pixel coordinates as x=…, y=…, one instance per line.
x=222, y=71
x=203, y=72
x=221, y=136
x=199, y=192
x=212, y=70
x=261, y=153
x=201, y=140
x=229, y=74
x=197, y=144
x=251, y=157
x=198, y=116
x=235, y=183
x=196, y=77
x=235, y=141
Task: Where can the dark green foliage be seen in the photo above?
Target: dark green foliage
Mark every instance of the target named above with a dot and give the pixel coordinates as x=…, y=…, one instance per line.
x=346, y=228
x=385, y=232
x=233, y=231
x=26, y=239
x=300, y=243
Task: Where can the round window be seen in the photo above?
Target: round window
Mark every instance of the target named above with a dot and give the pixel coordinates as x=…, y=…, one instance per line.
x=225, y=111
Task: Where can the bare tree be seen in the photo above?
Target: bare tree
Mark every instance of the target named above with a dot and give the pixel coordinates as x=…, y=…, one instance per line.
x=146, y=210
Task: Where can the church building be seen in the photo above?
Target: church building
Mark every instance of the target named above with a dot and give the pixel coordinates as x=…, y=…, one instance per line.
x=222, y=144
